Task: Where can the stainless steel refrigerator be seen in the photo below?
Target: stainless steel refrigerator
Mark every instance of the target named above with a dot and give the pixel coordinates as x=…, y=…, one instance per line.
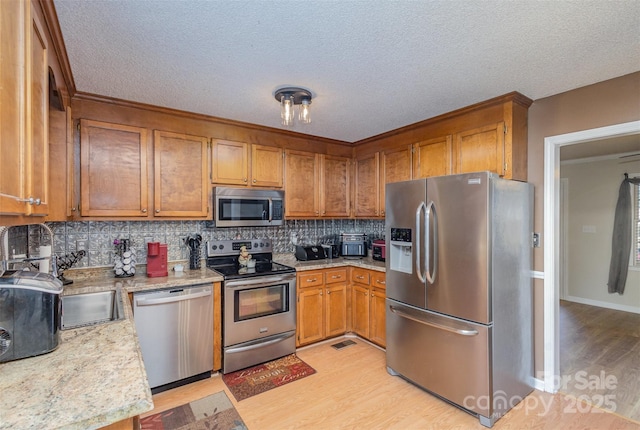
x=459, y=289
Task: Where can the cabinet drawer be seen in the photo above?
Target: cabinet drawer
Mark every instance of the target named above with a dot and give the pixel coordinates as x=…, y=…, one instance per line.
x=360, y=276
x=378, y=279
x=310, y=279
x=337, y=275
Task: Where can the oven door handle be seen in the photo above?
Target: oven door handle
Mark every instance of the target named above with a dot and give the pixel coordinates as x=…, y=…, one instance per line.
x=258, y=343
x=259, y=281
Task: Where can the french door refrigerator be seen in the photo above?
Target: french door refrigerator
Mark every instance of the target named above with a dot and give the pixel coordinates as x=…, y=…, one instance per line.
x=459, y=289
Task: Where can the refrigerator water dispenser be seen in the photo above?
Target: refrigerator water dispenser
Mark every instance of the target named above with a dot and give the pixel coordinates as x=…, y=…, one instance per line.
x=401, y=252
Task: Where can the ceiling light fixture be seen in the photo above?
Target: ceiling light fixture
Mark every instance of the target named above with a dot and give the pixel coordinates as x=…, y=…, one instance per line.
x=289, y=97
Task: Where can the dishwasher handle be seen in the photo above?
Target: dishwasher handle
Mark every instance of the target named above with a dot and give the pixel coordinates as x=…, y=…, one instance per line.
x=180, y=298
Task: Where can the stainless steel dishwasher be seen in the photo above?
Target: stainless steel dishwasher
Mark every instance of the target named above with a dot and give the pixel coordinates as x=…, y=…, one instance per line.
x=175, y=332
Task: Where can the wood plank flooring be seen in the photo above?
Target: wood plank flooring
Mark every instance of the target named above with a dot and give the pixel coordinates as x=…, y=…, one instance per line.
x=352, y=390
x=600, y=353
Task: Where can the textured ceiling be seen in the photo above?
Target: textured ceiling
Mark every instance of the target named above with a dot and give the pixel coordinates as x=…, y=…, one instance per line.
x=372, y=66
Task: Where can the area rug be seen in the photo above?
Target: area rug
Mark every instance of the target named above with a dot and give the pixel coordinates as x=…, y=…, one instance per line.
x=211, y=412
x=263, y=377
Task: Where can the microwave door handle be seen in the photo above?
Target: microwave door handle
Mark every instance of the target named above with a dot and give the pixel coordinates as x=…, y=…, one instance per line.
x=418, y=235
x=270, y=210
x=431, y=209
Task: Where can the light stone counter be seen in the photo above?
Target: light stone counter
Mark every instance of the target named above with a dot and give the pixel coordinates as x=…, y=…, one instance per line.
x=365, y=262
x=96, y=375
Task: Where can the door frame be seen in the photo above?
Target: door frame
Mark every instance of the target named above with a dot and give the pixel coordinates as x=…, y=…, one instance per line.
x=552, y=145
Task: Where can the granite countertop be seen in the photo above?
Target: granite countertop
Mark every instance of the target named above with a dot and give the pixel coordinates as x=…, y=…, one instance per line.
x=96, y=376
x=365, y=262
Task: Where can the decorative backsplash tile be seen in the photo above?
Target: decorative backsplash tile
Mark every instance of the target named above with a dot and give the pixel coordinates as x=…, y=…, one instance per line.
x=96, y=237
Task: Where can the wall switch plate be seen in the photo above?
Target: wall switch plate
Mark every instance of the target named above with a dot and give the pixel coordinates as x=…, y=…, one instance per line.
x=81, y=244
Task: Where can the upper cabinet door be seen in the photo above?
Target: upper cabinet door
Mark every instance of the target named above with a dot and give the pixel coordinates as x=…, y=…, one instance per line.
x=24, y=111
x=301, y=171
x=38, y=118
x=367, y=186
x=229, y=162
x=395, y=166
x=480, y=149
x=181, y=187
x=266, y=166
x=432, y=157
x=335, y=185
x=12, y=108
x=113, y=170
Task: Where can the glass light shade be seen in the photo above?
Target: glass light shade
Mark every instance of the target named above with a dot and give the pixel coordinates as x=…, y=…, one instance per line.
x=286, y=109
x=305, y=114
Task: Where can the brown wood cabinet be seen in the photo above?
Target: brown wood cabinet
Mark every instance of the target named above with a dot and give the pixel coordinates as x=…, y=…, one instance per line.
x=367, y=186
x=113, y=170
x=395, y=166
x=181, y=186
x=317, y=185
x=433, y=157
x=322, y=305
x=368, y=304
x=481, y=148
x=239, y=163
x=24, y=111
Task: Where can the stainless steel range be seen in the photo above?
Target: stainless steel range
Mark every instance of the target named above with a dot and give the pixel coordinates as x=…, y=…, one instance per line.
x=259, y=303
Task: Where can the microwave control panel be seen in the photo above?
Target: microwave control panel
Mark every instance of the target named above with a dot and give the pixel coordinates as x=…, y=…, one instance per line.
x=278, y=210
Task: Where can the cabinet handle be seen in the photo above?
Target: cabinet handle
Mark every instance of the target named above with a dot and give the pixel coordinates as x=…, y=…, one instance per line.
x=157, y=211
x=336, y=277
x=359, y=277
x=381, y=282
x=144, y=211
x=312, y=280
x=31, y=201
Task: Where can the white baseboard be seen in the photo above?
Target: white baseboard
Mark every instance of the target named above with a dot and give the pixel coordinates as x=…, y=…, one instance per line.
x=538, y=384
x=608, y=305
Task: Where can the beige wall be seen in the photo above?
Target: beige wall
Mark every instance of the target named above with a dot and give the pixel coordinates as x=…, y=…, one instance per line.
x=606, y=103
x=592, y=195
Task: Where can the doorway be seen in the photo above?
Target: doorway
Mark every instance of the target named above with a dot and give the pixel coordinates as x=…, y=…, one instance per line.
x=552, y=254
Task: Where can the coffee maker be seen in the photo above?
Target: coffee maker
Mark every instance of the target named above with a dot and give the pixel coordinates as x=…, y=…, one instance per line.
x=156, y=259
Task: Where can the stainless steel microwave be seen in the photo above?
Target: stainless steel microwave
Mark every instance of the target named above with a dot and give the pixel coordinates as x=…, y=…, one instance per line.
x=247, y=207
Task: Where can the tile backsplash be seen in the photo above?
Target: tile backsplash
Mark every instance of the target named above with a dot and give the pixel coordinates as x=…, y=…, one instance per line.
x=96, y=237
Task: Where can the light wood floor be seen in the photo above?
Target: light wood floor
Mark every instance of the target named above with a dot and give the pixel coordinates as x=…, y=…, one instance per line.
x=601, y=343
x=352, y=390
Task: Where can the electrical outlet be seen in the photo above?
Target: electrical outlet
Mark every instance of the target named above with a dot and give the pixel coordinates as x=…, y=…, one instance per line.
x=81, y=244
x=536, y=240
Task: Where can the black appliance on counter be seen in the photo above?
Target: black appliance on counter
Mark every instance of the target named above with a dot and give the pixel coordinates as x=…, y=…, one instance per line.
x=30, y=314
x=258, y=303
x=311, y=252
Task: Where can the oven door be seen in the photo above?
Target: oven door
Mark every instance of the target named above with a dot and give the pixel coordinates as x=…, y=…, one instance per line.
x=259, y=307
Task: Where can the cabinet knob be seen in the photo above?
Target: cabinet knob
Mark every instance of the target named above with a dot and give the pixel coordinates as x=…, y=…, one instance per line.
x=320, y=292
x=73, y=209
x=157, y=211
x=254, y=181
x=144, y=211
x=324, y=212
x=328, y=292
x=316, y=212
x=244, y=179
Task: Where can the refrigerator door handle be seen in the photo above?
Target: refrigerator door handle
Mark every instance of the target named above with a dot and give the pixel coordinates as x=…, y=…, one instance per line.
x=419, y=272
x=425, y=320
x=431, y=208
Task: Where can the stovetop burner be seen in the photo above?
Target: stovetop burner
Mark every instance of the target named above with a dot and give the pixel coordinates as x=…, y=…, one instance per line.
x=222, y=256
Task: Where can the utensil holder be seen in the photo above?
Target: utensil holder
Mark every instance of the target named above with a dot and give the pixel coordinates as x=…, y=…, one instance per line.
x=194, y=258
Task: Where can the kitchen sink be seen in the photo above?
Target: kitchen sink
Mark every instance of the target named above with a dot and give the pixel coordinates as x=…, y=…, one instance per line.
x=91, y=308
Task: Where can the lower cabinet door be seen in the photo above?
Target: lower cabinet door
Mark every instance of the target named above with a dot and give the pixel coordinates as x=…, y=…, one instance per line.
x=310, y=315
x=377, y=331
x=336, y=310
x=360, y=310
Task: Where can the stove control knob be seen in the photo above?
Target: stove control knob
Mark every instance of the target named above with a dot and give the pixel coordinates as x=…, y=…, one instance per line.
x=221, y=246
x=261, y=245
x=255, y=245
x=266, y=244
x=214, y=247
